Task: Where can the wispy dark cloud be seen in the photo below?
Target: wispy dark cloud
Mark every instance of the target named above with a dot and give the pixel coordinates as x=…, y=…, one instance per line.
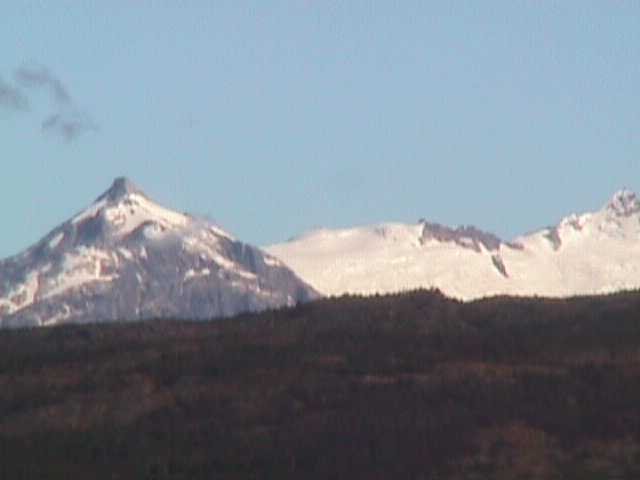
x=67, y=120
x=69, y=125
x=12, y=97
x=41, y=77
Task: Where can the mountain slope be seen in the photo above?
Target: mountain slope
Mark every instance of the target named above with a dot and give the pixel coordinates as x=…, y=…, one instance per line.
x=126, y=257
x=592, y=253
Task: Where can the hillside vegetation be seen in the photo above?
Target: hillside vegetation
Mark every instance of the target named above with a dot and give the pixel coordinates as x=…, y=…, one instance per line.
x=413, y=386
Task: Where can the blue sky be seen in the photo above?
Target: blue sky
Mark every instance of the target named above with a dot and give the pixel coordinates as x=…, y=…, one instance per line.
x=275, y=117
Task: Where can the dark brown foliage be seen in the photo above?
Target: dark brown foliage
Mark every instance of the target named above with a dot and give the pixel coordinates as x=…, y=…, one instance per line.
x=403, y=386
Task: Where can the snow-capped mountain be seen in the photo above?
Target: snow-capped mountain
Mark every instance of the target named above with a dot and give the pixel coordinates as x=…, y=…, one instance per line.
x=592, y=253
x=126, y=257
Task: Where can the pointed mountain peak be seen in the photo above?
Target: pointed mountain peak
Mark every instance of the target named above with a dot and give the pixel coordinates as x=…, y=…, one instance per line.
x=624, y=203
x=120, y=188
x=122, y=209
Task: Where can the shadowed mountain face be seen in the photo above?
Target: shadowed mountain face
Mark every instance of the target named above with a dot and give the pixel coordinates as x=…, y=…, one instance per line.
x=126, y=257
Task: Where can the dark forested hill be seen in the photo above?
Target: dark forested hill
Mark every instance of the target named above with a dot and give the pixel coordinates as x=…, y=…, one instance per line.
x=410, y=386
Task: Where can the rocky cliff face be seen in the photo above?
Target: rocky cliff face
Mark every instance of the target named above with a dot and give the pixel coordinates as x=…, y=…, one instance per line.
x=125, y=257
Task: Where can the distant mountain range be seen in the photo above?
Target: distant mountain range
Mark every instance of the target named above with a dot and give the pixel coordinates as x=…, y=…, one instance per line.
x=125, y=258
x=592, y=253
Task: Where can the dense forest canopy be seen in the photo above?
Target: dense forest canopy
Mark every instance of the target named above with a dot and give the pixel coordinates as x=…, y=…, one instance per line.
x=412, y=385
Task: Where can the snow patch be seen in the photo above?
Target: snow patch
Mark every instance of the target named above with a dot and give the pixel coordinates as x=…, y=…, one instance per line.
x=135, y=209
x=210, y=252
x=152, y=231
x=57, y=318
x=55, y=241
x=221, y=233
x=272, y=261
x=233, y=267
x=22, y=295
x=83, y=265
x=126, y=253
x=191, y=273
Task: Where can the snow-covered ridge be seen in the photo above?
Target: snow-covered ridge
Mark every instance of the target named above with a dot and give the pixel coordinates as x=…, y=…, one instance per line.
x=590, y=253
